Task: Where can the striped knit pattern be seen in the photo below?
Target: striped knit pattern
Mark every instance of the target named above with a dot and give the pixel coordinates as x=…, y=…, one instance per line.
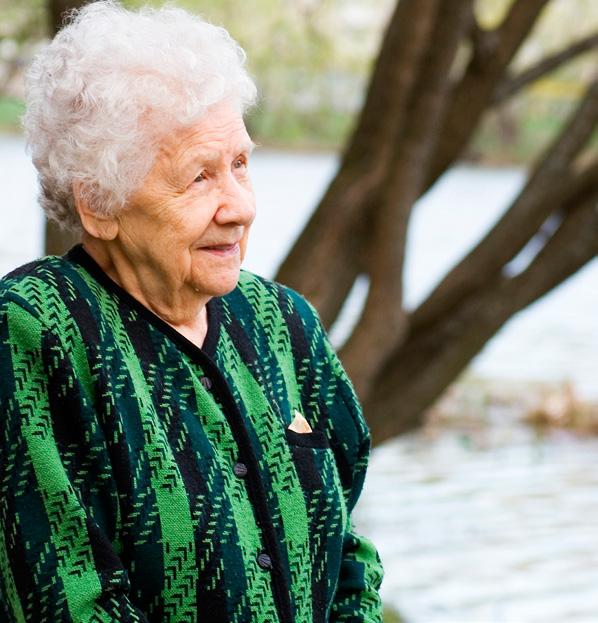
x=143, y=479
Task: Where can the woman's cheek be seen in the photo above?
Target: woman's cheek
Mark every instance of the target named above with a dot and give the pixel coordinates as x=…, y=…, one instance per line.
x=192, y=214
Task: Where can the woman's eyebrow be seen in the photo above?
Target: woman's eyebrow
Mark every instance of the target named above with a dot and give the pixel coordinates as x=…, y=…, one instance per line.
x=192, y=159
x=210, y=156
x=245, y=147
x=248, y=147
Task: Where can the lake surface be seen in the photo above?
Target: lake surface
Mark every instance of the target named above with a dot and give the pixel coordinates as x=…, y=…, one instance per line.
x=491, y=525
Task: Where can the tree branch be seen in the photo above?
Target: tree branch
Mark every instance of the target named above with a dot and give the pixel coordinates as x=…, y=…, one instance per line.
x=57, y=10
x=512, y=84
x=382, y=323
x=395, y=74
x=323, y=242
x=520, y=221
x=484, y=44
x=434, y=356
x=573, y=245
x=474, y=92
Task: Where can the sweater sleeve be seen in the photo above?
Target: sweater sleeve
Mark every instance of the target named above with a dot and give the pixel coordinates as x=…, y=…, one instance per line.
x=56, y=562
x=357, y=598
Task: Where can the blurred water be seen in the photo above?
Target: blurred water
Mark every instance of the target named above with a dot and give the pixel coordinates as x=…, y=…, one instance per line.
x=493, y=526
x=21, y=220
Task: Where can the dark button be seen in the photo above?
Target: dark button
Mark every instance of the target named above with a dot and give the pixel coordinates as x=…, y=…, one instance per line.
x=264, y=561
x=240, y=470
x=206, y=382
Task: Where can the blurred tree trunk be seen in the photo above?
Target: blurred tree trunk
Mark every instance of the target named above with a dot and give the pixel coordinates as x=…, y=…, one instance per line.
x=422, y=107
x=58, y=240
x=56, y=10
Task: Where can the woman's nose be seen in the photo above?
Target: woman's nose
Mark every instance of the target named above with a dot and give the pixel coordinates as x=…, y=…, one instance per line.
x=237, y=201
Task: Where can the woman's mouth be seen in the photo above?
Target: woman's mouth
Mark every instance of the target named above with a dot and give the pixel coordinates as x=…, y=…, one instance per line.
x=223, y=250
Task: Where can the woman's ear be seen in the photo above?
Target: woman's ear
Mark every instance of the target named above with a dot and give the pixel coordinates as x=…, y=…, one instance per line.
x=96, y=225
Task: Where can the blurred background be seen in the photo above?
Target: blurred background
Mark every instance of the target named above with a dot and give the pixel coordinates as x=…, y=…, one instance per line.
x=427, y=175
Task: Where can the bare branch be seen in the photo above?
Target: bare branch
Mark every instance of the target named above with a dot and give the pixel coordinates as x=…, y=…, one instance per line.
x=513, y=84
x=402, y=51
x=382, y=324
x=521, y=220
x=57, y=10
x=574, y=244
x=484, y=44
x=323, y=242
x=474, y=93
x=435, y=355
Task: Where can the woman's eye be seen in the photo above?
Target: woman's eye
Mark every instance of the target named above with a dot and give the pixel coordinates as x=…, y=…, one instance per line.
x=239, y=163
x=200, y=178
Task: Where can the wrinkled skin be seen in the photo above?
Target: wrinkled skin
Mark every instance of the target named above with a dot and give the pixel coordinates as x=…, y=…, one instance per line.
x=198, y=193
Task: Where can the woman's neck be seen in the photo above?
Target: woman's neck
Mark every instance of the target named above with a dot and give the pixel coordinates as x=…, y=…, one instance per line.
x=181, y=306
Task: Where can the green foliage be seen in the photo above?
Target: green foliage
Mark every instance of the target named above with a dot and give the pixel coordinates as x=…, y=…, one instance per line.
x=324, y=128
x=311, y=63
x=296, y=54
x=22, y=21
x=10, y=111
x=519, y=131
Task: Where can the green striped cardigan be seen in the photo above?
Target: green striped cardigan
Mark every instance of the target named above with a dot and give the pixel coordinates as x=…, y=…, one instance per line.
x=145, y=479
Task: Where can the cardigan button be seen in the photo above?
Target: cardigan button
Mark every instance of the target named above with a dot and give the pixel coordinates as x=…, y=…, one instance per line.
x=264, y=561
x=240, y=470
x=206, y=382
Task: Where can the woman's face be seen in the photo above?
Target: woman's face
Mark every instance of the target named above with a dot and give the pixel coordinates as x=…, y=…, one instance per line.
x=197, y=194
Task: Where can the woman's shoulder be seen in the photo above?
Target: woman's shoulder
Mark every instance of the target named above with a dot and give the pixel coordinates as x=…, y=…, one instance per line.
x=261, y=291
x=34, y=285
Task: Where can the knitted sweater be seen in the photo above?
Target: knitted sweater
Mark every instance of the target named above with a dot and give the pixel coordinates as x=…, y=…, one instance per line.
x=145, y=479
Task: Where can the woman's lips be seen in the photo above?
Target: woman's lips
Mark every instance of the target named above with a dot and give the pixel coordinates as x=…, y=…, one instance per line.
x=223, y=250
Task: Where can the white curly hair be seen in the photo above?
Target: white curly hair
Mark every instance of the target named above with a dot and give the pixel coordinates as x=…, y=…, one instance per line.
x=110, y=86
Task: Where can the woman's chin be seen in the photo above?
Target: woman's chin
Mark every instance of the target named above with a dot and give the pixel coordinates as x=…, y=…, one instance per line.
x=218, y=283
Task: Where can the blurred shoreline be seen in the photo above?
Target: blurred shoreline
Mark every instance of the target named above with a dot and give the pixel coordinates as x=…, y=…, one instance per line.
x=474, y=403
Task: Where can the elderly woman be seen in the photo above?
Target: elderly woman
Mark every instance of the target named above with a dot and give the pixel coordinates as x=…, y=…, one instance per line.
x=179, y=441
